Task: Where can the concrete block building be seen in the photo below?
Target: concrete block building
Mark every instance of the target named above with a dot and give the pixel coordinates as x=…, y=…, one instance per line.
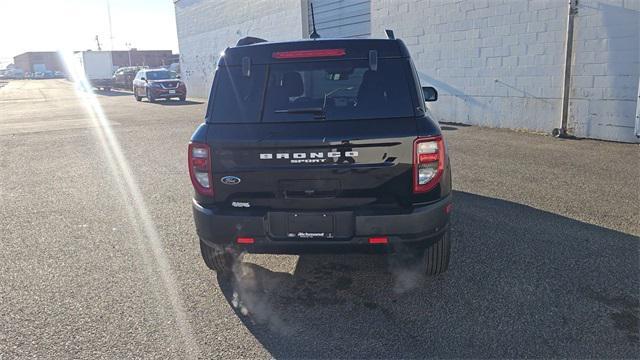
x=206, y=28
x=497, y=63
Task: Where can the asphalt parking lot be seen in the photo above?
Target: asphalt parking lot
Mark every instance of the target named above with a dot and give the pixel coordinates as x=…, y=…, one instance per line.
x=100, y=258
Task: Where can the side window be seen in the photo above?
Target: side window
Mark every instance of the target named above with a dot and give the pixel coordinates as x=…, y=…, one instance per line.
x=237, y=98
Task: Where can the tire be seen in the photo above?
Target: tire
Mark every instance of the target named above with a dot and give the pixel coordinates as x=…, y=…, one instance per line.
x=217, y=260
x=107, y=89
x=149, y=97
x=182, y=98
x=138, y=98
x=436, y=257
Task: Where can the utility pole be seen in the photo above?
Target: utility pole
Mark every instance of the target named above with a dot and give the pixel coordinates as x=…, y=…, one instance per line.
x=110, y=29
x=561, y=132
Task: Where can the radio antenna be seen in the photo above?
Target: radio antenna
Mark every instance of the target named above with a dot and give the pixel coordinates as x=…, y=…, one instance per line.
x=314, y=34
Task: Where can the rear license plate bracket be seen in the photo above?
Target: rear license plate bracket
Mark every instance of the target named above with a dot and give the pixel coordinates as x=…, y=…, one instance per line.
x=310, y=226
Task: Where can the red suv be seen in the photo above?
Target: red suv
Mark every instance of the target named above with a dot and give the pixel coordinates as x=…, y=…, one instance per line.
x=158, y=84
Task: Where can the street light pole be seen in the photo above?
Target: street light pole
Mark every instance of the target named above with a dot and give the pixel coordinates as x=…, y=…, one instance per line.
x=128, y=45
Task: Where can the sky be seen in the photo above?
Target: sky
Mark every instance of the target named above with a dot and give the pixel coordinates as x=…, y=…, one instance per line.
x=50, y=25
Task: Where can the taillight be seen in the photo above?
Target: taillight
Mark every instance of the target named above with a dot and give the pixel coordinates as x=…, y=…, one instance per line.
x=428, y=163
x=200, y=168
x=301, y=54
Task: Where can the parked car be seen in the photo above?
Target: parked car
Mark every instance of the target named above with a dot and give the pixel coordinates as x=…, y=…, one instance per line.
x=123, y=77
x=175, y=67
x=158, y=84
x=17, y=74
x=320, y=146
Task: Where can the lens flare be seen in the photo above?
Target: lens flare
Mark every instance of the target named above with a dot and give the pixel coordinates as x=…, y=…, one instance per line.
x=146, y=234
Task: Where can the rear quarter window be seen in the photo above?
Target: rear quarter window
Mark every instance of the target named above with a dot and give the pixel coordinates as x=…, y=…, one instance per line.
x=236, y=98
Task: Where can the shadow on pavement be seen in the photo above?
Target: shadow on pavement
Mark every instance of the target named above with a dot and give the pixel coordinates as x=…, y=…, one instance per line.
x=454, y=124
x=451, y=126
x=112, y=93
x=522, y=283
x=176, y=102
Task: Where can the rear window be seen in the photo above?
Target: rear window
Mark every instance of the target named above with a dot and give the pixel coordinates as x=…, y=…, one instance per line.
x=313, y=91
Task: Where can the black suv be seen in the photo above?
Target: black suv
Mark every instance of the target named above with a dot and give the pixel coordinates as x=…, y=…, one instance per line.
x=123, y=77
x=320, y=146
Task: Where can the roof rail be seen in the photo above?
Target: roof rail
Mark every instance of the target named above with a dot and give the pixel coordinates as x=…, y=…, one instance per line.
x=248, y=40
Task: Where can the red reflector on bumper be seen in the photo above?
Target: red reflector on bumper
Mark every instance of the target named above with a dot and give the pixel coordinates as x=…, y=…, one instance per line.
x=245, y=240
x=378, y=240
x=448, y=208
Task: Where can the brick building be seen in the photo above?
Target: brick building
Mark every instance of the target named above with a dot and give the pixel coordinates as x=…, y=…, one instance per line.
x=498, y=63
x=38, y=61
x=49, y=60
x=134, y=57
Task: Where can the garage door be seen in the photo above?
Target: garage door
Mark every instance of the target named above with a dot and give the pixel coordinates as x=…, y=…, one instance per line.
x=342, y=18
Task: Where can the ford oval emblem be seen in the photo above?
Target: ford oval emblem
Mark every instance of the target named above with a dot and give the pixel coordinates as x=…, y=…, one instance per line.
x=230, y=180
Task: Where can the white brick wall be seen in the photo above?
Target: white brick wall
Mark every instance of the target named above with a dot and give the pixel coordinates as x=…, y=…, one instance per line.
x=495, y=62
x=604, y=86
x=500, y=62
x=207, y=27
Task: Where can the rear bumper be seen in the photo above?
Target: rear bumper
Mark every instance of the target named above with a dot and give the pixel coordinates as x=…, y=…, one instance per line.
x=417, y=228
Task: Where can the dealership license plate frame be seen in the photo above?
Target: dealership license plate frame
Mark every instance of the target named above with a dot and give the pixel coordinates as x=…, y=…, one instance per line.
x=310, y=226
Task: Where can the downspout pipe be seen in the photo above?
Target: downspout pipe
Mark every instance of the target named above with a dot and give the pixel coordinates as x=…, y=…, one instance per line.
x=561, y=132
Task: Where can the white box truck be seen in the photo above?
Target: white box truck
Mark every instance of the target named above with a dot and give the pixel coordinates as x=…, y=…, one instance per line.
x=98, y=68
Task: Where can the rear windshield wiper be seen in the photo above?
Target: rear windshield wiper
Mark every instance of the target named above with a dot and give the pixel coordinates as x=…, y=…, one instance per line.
x=317, y=111
x=330, y=93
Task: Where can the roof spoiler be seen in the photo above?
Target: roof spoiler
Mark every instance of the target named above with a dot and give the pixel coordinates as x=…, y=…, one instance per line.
x=248, y=40
x=390, y=34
